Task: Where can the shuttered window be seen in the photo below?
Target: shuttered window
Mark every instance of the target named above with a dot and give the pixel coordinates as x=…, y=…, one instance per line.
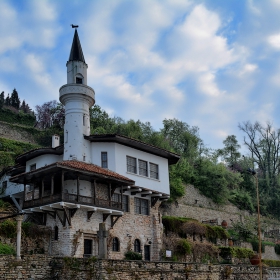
x=153, y=171
x=141, y=206
x=143, y=167
x=104, y=159
x=131, y=164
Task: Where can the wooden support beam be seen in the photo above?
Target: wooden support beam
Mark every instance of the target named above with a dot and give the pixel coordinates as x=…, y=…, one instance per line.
x=113, y=221
x=154, y=200
x=51, y=213
x=52, y=184
x=128, y=188
x=67, y=216
x=89, y=214
x=61, y=220
x=24, y=191
x=105, y=216
x=62, y=182
x=73, y=212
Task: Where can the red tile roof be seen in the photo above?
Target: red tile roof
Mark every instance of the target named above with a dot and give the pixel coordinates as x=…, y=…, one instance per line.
x=92, y=168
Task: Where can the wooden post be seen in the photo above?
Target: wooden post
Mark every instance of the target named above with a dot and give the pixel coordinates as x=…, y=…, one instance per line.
x=78, y=187
x=52, y=184
x=62, y=183
x=110, y=195
x=33, y=191
x=121, y=197
x=94, y=189
x=43, y=188
x=24, y=191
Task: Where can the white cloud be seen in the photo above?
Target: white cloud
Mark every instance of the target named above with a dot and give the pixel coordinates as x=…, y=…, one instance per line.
x=274, y=41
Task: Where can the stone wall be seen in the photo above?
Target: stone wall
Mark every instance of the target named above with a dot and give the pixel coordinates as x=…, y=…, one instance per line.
x=45, y=267
x=11, y=132
x=195, y=205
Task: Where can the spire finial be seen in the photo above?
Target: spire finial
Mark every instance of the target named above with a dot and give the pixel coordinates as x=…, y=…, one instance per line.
x=74, y=26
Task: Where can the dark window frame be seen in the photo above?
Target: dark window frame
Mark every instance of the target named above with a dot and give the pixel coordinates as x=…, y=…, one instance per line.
x=116, y=197
x=116, y=244
x=143, y=167
x=141, y=206
x=131, y=164
x=104, y=160
x=56, y=233
x=79, y=80
x=33, y=167
x=154, y=171
x=137, y=246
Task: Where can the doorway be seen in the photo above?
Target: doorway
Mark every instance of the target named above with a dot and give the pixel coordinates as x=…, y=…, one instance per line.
x=147, y=254
x=87, y=247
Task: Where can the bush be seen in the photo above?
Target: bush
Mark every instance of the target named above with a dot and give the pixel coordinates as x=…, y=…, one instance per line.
x=184, y=247
x=271, y=263
x=255, y=245
x=216, y=232
x=8, y=228
x=6, y=249
x=237, y=252
x=130, y=255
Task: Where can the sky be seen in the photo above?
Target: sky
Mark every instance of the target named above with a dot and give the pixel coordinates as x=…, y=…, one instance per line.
x=209, y=63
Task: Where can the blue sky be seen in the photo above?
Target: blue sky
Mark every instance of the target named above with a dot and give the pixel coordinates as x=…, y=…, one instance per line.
x=212, y=64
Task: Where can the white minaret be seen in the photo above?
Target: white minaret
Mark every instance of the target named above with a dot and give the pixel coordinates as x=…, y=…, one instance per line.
x=77, y=98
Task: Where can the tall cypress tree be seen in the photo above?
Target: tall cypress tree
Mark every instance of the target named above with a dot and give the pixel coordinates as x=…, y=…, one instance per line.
x=8, y=100
x=15, y=102
x=2, y=99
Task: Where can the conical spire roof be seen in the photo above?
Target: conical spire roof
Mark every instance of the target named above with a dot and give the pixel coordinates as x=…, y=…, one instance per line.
x=76, y=49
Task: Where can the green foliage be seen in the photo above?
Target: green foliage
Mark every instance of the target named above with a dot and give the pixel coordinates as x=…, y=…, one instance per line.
x=6, y=249
x=9, y=116
x=242, y=199
x=230, y=152
x=237, y=252
x=271, y=263
x=216, y=232
x=130, y=255
x=255, y=245
x=8, y=228
x=277, y=249
x=184, y=247
x=245, y=230
x=175, y=224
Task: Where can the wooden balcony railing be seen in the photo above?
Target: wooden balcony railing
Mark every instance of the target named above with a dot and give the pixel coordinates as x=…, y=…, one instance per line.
x=72, y=198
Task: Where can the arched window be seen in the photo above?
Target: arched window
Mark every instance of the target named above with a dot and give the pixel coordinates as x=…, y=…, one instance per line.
x=79, y=79
x=116, y=244
x=137, y=246
x=56, y=233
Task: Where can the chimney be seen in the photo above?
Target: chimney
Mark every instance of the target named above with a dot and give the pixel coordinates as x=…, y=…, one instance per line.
x=55, y=141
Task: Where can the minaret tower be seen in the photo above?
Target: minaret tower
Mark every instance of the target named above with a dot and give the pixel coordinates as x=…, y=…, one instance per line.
x=77, y=98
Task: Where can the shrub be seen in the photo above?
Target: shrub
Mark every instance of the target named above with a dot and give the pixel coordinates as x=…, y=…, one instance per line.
x=8, y=228
x=237, y=252
x=184, y=247
x=216, y=232
x=255, y=245
x=130, y=255
x=6, y=249
x=271, y=263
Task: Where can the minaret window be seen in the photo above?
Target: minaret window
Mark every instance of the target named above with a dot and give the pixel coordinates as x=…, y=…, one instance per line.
x=79, y=80
x=84, y=120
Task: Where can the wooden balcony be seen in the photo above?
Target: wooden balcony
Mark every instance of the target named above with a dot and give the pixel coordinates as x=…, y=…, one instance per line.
x=72, y=198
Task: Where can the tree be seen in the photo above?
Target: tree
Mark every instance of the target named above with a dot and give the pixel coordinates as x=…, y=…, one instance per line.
x=263, y=142
x=14, y=101
x=230, y=152
x=8, y=100
x=2, y=99
x=49, y=114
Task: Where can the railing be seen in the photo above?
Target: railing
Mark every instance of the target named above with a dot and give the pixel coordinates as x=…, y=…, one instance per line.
x=72, y=198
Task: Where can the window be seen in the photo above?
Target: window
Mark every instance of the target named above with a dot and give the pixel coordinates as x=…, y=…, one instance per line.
x=143, y=167
x=33, y=167
x=56, y=233
x=79, y=80
x=153, y=171
x=141, y=206
x=116, y=244
x=84, y=120
x=131, y=164
x=116, y=197
x=137, y=246
x=104, y=160
x=87, y=247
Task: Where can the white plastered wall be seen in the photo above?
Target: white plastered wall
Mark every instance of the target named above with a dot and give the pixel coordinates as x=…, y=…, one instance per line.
x=117, y=162
x=42, y=161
